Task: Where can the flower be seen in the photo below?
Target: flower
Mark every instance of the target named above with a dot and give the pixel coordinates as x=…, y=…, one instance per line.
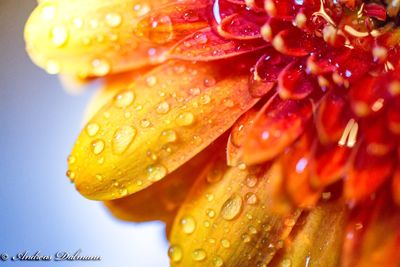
x=264, y=133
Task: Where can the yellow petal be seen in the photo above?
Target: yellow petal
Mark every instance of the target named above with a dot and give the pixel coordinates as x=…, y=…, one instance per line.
x=90, y=37
x=162, y=200
x=318, y=242
x=156, y=124
x=226, y=220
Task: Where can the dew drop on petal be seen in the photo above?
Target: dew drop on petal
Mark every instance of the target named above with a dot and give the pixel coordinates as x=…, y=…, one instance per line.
x=71, y=160
x=123, y=192
x=246, y=238
x=122, y=138
x=251, y=181
x=286, y=263
x=185, y=119
x=210, y=213
x=113, y=19
x=168, y=136
x=151, y=81
x=162, y=108
x=225, y=243
x=251, y=198
x=175, y=253
x=232, y=207
x=59, y=35
x=71, y=175
x=217, y=261
x=156, y=172
x=188, y=224
x=124, y=99
x=199, y=255
x=98, y=146
x=92, y=129
x=100, y=67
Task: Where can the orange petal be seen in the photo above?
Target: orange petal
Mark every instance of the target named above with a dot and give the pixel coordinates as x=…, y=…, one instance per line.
x=156, y=124
x=318, y=241
x=227, y=221
x=396, y=185
x=236, y=138
x=91, y=37
x=367, y=173
x=162, y=200
x=206, y=45
x=373, y=235
x=296, y=160
x=278, y=124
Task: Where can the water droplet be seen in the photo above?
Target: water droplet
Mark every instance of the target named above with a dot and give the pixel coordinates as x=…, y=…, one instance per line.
x=100, y=67
x=246, y=238
x=225, y=243
x=217, y=261
x=205, y=99
x=151, y=81
x=113, y=19
x=101, y=160
x=206, y=224
x=124, y=99
x=251, y=198
x=99, y=177
x=168, y=136
x=209, y=81
x=48, y=12
x=188, y=224
x=210, y=197
x=98, y=146
x=145, y=123
x=195, y=91
x=210, y=213
x=122, y=138
x=158, y=29
x=52, y=67
x=252, y=230
x=162, y=108
x=228, y=103
x=286, y=263
x=59, y=35
x=92, y=129
x=175, y=253
x=215, y=174
x=156, y=172
x=71, y=175
x=251, y=181
x=232, y=207
x=71, y=160
x=185, y=119
x=123, y=192
x=199, y=255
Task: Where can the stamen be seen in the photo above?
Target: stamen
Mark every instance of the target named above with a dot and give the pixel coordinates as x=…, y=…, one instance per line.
x=322, y=13
x=349, y=136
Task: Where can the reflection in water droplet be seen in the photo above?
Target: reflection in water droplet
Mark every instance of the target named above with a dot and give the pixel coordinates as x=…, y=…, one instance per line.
x=100, y=67
x=92, y=129
x=232, y=207
x=175, y=253
x=156, y=172
x=188, y=224
x=59, y=35
x=185, y=119
x=122, y=138
x=162, y=108
x=199, y=255
x=113, y=19
x=98, y=146
x=124, y=99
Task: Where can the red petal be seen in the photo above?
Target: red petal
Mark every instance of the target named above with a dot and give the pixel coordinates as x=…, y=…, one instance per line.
x=273, y=27
x=294, y=82
x=266, y=71
x=332, y=117
x=329, y=164
x=393, y=117
x=379, y=141
x=366, y=174
x=242, y=26
x=294, y=42
x=396, y=185
x=206, y=45
x=278, y=124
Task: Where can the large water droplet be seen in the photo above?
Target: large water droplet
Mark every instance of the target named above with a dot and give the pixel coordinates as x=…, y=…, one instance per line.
x=59, y=35
x=124, y=99
x=98, y=146
x=199, y=255
x=156, y=172
x=122, y=138
x=175, y=253
x=92, y=129
x=158, y=29
x=185, y=119
x=188, y=224
x=232, y=207
x=113, y=19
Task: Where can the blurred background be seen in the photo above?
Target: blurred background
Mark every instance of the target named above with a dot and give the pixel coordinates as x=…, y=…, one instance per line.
x=39, y=208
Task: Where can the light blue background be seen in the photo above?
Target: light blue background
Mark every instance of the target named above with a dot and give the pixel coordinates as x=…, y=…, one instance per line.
x=39, y=208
